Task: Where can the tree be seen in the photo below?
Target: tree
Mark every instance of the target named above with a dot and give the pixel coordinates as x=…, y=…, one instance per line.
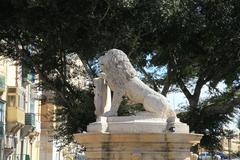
x=198, y=45
x=186, y=45
x=43, y=43
x=41, y=35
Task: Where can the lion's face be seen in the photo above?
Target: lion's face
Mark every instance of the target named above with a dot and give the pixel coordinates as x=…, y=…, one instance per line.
x=116, y=65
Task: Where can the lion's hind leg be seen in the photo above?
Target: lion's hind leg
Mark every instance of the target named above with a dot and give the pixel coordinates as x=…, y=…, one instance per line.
x=154, y=103
x=158, y=104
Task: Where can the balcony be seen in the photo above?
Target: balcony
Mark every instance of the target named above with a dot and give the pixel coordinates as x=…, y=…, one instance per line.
x=29, y=126
x=32, y=135
x=15, y=115
x=30, y=119
x=15, y=111
x=10, y=145
x=15, y=119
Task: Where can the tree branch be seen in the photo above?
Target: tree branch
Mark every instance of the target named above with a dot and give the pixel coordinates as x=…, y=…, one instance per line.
x=105, y=14
x=184, y=89
x=31, y=63
x=199, y=84
x=167, y=81
x=222, y=109
x=180, y=81
x=149, y=78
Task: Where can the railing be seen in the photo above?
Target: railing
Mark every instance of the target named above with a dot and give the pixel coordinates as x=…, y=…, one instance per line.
x=32, y=126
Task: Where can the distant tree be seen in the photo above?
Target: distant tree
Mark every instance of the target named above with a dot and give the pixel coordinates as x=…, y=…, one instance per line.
x=196, y=44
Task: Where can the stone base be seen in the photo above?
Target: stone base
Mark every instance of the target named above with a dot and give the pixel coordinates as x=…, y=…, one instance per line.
x=134, y=124
x=137, y=146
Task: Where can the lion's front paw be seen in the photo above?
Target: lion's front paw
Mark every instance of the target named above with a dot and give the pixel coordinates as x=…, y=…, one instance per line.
x=102, y=75
x=109, y=114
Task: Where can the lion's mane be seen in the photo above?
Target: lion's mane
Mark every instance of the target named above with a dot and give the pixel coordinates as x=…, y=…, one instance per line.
x=117, y=67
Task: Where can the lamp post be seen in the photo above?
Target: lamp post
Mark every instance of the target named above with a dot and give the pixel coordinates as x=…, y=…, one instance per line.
x=206, y=132
x=229, y=134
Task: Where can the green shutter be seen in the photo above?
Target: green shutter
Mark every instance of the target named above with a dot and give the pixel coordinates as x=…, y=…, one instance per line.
x=2, y=83
x=27, y=157
x=1, y=107
x=1, y=129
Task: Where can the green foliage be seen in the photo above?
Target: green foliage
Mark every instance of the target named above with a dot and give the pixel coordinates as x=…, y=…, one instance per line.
x=211, y=142
x=126, y=109
x=199, y=123
x=193, y=42
x=212, y=114
x=238, y=123
x=74, y=115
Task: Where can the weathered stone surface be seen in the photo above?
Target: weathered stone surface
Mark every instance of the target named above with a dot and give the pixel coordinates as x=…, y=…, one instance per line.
x=123, y=81
x=152, y=135
x=134, y=124
x=102, y=96
x=147, y=146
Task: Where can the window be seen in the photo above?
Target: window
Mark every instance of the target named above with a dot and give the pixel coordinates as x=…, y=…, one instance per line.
x=21, y=101
x=12, y=101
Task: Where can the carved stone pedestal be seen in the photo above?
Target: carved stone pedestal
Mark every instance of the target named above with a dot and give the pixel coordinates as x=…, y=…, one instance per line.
x=134, y=124
x=137, y=146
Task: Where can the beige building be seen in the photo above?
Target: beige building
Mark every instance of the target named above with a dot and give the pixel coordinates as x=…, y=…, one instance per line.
x=233, y=144
x=48, y=148
x=3, y=87
x=26, y=126
x=47, y=127
x=19, y=113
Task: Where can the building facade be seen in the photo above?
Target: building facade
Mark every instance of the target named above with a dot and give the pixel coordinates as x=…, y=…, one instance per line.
x=19, y=113
x=232, y=145
x=26, y=121
x=48, y=149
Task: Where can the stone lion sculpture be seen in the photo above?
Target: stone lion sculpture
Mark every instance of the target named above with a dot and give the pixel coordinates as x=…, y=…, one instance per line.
x=123, y=81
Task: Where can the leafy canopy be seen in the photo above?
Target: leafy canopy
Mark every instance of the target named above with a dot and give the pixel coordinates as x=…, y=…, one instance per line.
x=195, y=42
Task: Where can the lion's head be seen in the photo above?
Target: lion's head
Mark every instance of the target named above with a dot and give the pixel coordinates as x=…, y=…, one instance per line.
x=117, y=67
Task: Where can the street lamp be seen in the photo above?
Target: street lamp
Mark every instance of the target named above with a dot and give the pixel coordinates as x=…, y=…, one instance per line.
x=229, y=134
x=206, y=132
